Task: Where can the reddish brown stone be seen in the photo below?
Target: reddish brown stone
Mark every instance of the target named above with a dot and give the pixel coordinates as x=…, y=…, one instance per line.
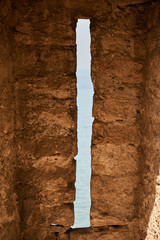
x=38, y=113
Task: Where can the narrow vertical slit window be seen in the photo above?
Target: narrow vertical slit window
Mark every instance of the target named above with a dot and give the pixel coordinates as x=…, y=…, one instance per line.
x=84, y=125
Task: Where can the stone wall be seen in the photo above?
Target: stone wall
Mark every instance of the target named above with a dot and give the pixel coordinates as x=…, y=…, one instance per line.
x=39, y=118
x=44, y=64
x=150, y=128
x=9, y=219
x=117, y=73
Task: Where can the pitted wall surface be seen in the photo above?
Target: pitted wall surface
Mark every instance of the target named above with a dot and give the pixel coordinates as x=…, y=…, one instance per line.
x=39, y=119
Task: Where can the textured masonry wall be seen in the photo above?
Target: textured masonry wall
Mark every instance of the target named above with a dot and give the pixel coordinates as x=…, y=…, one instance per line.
x=45, y=86
x=9, y=219
x=38, y=119
x=150, y=128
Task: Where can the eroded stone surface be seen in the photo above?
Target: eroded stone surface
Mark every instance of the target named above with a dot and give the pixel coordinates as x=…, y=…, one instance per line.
x=38, y=119
x=9, y=219
x=44, y=53
x=118, y=79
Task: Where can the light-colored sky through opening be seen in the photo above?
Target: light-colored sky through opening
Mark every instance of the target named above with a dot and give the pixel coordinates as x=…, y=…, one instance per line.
x=83, y=42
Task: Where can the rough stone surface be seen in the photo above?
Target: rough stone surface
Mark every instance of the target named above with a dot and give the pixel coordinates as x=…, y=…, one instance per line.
x=45, y=86
x=9, y=219
x=150, y=131
x=117, y=74
x=38, y=113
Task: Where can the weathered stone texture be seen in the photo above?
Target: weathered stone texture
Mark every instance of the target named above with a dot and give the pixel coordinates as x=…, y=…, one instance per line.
x=117, y=74
x=149, y=211
x=106, y=233
x=38, y=119
x=9, y=219
x=45, y=87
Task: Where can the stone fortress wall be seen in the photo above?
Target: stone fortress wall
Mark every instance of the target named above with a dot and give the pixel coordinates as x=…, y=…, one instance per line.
x=38, y=118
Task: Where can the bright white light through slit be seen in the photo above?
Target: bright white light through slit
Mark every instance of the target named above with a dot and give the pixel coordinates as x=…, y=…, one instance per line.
x=84, y=126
